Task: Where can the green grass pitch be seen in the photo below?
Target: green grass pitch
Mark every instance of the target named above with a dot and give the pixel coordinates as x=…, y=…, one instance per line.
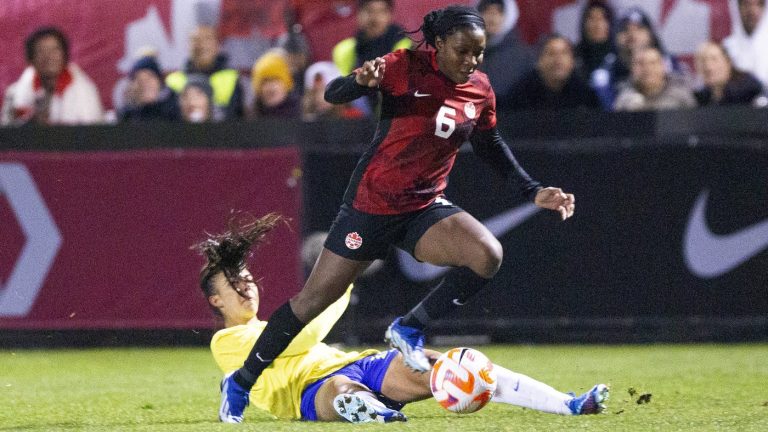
x=692, y=388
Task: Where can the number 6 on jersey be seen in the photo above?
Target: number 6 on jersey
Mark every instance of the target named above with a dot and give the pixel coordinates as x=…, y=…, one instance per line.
x=442, y=121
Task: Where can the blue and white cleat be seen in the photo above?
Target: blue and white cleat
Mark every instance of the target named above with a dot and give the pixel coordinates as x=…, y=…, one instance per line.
x=360, y=409
x=234, y=399
x=410, y=342
x=591, y=402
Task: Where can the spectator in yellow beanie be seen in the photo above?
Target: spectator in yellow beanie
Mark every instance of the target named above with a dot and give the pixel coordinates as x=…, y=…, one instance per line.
x=273, y=87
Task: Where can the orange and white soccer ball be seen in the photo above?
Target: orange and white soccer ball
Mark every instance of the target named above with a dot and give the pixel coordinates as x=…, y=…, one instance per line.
x=463, y=380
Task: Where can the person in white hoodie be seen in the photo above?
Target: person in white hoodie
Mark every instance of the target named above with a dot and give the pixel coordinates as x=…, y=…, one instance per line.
x=51, y=90
x=748, y=43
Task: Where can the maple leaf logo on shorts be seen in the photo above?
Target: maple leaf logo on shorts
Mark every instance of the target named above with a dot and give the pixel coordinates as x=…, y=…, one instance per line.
x=353, y=240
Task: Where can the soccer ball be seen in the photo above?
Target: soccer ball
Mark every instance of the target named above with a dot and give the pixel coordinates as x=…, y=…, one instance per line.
x=463, y=380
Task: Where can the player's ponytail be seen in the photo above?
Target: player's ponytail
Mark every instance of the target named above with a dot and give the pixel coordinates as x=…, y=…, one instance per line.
x=227, y=252
x=443, y=22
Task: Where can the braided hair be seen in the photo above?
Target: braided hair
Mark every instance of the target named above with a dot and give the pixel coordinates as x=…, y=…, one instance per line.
x=227, y=252
x=444, y=22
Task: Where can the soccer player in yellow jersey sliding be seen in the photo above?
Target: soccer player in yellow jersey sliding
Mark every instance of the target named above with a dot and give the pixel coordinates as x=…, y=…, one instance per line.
x=313, y=381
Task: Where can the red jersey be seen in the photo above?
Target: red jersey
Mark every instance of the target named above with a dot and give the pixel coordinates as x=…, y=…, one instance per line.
x=425, y=118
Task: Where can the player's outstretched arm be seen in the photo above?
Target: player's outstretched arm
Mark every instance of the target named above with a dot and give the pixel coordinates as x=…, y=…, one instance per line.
x=371, y=72
x=489, y=146
x=555, y=199
x=363, y=81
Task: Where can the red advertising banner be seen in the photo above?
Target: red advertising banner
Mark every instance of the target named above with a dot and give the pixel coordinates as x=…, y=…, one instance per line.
x=102, y=240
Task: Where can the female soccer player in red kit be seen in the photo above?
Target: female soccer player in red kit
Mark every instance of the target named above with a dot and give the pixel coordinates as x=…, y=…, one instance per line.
x=432, y=102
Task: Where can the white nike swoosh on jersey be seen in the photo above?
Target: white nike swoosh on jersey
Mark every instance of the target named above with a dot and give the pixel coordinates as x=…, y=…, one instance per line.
x=498, y=225
x=417, y=94
x=709, y=255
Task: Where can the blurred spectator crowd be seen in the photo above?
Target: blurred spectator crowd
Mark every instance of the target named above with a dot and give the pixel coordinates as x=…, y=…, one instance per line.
x=619, y=64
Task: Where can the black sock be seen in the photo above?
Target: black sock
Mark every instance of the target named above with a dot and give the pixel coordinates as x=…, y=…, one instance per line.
x=457, y=287
x=282, y=327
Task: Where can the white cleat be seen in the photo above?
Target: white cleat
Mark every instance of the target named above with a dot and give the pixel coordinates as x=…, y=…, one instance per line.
x=359, y=409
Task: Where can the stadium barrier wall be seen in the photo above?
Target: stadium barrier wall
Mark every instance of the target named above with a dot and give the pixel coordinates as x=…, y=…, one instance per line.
x=669, y=241
x=101, y=240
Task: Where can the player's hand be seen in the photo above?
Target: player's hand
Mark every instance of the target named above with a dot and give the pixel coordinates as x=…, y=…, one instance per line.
x=555, y=199
x=371, y=72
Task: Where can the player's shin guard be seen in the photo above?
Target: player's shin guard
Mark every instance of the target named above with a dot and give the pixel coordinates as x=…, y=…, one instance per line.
x=455, y=290
x=282, y=327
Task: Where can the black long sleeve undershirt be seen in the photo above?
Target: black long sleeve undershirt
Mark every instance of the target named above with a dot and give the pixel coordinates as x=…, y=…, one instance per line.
x=491, y=148
x=346, y=89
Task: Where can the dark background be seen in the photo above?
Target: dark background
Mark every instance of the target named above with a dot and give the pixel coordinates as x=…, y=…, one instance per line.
x=613, y=273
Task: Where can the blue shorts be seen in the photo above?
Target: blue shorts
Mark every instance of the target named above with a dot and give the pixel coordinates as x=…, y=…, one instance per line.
x=365, y=237
x=368, y=371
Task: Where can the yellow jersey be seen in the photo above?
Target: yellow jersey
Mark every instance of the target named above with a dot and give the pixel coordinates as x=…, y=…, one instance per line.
x=306, y=360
